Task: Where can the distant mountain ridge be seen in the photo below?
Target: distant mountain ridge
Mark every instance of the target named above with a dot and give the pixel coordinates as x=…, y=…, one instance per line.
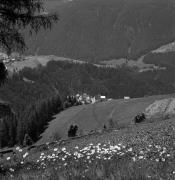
x=157, y=59
x=96, y=30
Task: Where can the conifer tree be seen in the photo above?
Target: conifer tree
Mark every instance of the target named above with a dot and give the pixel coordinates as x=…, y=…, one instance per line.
x=15, y=16
x=3, y=133
x=3, y=73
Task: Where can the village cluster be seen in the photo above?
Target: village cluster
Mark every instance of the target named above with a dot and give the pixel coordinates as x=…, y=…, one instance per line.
x=8, y=59
x=84, y=98
x=87, y=99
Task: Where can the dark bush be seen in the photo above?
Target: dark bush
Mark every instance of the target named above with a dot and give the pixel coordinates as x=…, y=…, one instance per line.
x=72, y=132
x=139, y=118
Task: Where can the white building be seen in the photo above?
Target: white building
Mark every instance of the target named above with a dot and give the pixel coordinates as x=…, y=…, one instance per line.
x=103, y=97
x=126, y=97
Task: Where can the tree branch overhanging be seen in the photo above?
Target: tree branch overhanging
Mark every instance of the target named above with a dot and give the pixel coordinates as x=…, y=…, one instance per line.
x=16, y=15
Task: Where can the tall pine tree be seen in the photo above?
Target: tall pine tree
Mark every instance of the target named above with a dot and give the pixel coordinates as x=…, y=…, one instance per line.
x=15, y=16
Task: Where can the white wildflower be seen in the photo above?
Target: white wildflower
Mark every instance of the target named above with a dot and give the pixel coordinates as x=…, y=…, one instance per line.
x=134, y=159
x=11, y=169
x=140, y=157
x=163, y=159
x=76, y=147
x=55, y=149
x=63, y=149
x=25, y=155
x=130, y=149
x=17, y=148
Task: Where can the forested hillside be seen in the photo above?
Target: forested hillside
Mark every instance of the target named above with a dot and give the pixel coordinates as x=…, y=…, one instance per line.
x=36, y=100
x=96, y=30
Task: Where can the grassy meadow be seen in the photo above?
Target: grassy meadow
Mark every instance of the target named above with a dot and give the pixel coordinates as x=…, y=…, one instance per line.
x=144, y=151
x=95, y=116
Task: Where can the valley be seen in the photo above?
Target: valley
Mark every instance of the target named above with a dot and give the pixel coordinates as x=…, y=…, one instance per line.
x=87, y=90
x=96, y=30
x=15, y=65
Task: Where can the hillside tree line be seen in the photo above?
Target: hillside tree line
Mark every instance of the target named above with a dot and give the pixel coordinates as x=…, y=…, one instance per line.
x=35, y=103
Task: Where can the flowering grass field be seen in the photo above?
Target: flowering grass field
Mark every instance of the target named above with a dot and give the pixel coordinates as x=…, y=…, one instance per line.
x=140, y=152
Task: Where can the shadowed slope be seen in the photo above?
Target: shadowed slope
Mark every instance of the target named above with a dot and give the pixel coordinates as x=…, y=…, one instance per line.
x=96, y=30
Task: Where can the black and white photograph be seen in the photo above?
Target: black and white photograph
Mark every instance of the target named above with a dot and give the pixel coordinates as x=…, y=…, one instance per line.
x=87, y=89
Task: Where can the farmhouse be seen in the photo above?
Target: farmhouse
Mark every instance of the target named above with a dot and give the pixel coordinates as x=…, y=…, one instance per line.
x=126, y=97
x=103, y=97
x=100, y=98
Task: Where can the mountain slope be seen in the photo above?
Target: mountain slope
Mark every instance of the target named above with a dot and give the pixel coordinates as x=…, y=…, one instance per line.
x=95, y=116
x=96, y=30
x=131, y=153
